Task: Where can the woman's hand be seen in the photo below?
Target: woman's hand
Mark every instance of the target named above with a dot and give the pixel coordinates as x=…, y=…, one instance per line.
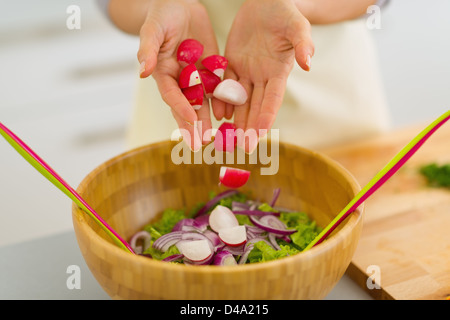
x=167, y=24
x=265, y=39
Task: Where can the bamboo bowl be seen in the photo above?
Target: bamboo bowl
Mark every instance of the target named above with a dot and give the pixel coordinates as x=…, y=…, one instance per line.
x=132, y=189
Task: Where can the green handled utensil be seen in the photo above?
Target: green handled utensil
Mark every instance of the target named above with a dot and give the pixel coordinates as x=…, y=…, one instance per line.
x=387, y=172
x=41, y=166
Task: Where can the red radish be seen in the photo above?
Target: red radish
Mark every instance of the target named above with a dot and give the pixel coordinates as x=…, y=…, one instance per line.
x=209, y=81
x=226, y=139
x=233, y=177
x=231, y=91
x=195, y=250
x=216, y=64
x=189, y=51
x=194, y=95
x=222, y=217
x=234, y=236
x=189, y=77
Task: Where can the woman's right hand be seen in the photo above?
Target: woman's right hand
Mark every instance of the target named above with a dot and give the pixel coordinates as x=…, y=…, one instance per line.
x=167, y=24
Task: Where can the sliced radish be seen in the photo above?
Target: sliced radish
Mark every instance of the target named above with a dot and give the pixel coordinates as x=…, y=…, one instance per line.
x=195, y=250
x=224, y=258
x=194, y=95
x=189, y=77
x=233, y=177
x=209, y=81
x=189, y=51
x=225, y=138
x=231, y=91
x=222, y=217
x=233, y=236
x=216, y=64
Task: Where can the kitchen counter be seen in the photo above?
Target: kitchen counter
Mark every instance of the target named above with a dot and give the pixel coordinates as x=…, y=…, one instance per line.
x=40, y=270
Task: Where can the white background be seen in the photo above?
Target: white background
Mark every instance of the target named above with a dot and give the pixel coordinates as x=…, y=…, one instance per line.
x=68, y=95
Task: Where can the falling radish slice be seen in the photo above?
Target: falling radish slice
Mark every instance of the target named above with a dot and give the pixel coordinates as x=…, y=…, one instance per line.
x=233, y=177
x=209, y=81
x=189, y=51
x=231, y=91
x=233, y=236
x=222, y=217
x=189, y=77
x=216, y=64
x=225, y=138
x=194, y=95
x=195, y=250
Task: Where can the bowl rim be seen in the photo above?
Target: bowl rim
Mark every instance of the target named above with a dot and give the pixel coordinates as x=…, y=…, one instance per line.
x=80, y=218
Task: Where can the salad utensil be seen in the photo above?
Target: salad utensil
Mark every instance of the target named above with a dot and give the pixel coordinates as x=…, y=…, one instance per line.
x=42, y=167
x=381, y=177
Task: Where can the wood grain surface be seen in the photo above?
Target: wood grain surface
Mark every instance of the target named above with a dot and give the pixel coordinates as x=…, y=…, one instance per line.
x=405, y=242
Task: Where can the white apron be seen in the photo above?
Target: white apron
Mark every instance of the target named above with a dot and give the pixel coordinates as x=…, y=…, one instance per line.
x=340, y=99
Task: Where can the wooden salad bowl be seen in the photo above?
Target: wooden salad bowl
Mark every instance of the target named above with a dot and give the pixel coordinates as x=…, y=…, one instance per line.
x=133, y=188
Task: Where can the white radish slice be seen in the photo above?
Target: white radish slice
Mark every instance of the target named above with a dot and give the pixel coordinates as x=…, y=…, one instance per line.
x=233, y=177
x=233, y=236
x=222, y=217
x=189, y=77
x=189, y=51
x=209, y=81
x=216, y=64
x=195, y=250
x=194, y=95
x=231, y=91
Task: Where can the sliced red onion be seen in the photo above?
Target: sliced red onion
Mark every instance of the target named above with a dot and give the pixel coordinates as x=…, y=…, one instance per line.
x=236, y=206
x=237, y=251
x=244, y=256
x=201, y=222
x=214, y=238
x=167, y=240
x=174, y=257
x=183, y=222
x=256, y=212
x=273, y=241
x=211, y=203
x=257, y=239
x=268, y=225
x=224, y=258
x=146, y=239
x=276, y=194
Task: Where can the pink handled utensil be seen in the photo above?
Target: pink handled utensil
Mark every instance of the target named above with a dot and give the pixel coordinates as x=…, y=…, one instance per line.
x=40, y=165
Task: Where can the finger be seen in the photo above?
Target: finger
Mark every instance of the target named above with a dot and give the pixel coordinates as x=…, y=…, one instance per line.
x=204, y=122
x=172, y=95
x=229, y=109
x=190, y=133
x=255, y=105
x=299, y=34
x=151, y=39
x=271, y=103
x=218, y=107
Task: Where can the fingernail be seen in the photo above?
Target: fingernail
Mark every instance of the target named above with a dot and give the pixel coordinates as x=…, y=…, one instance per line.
x=252, y=144
x=308, y=61
x=142, y=68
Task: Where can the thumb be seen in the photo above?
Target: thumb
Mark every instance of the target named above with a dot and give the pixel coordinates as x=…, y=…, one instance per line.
x=151, y=39
x=299, y=34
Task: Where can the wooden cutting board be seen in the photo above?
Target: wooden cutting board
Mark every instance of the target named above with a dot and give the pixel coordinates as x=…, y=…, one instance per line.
x=405, y=242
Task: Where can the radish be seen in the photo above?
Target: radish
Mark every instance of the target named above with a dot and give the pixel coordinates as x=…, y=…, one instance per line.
x=189, y=77
x=233, y=236
x=194, y=95
x=216, y=64
x=233, y=177
x=222, y=217
x=195, y=250
x=226, y=139
x=231, y=91
x=209, y=81
x=189, y=51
